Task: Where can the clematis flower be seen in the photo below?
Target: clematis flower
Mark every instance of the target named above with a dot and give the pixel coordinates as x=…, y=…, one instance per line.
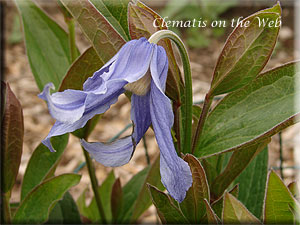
x=140, y=67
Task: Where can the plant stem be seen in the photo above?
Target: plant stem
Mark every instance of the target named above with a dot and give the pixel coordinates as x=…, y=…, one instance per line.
x=94, y=182
x=188, y=91
x=6, y=216
x=146, y=150
x=72, y=41
x=280, y=155
x=74, y=54
x=204, y=113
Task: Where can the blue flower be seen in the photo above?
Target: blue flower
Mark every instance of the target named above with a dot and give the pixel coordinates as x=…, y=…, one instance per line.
x=140, y=67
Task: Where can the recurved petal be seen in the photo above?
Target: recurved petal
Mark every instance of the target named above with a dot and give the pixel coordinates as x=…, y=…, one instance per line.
x=67, y=106
x=95, y=104
x=112, y=154
x=175, y=172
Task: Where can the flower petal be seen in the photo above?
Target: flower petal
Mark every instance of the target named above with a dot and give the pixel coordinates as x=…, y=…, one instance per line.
x=95, y=104
x=140, y=115
x=129, y=64
x=120, y=151
x=112, y=154
x=175, y=172
x=67, y=106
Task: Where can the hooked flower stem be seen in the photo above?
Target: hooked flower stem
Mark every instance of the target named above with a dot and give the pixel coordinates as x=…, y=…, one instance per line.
x=188, y=91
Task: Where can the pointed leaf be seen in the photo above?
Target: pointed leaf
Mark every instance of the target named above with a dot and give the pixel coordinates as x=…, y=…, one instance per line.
x=48, y=51
x=35, y=208
x=257, y=111
x=11, y=139
x=252, y=183
x=140, y=21
x=43, y=162
x=235, y=212
x=82, y=68
x=115, y=11
x=167, y=211
x=277, y=201
x=193, y=206
x=212, y=218
x=218, y=205
x=246, y=51
x=104, y=38
x=65, y=211
x=116, y=199
x=237, y=163
x=294, y=190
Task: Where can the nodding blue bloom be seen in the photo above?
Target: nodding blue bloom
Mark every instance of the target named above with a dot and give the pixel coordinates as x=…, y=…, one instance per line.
x=140, y=67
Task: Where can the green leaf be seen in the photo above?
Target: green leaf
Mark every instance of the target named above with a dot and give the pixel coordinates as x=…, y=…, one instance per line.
x=213, y=166
x=218, y=205
x=277, y=201
x=42, y=163
x=237, y=163
x=257, y=111
x=167, y=211
x=193, y=206
x=235, y=212
x=91, y=212
x=48, y=51
x=252, y=183
x=246, y=52
x=140, y=22
x=83, y=67
x=115, y=11
x=104, y=38
x=116, y=200
x=35, y=208
x=212, y=218
x=65, y=211
x=11, y=138
x=136, y=197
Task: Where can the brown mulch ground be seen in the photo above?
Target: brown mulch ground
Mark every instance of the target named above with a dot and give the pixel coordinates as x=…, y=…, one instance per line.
x=38, y=121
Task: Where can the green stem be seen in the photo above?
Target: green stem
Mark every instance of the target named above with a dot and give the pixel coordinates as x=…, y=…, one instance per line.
x=188, y=91
x=89, y=163
x=72, y=41
x=204, y=113
x=94, y=182
x=146, y=150
x=6, y=214
x=280, y=155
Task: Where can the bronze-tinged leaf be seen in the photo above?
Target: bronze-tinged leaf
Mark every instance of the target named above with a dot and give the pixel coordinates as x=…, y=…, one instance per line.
x=211, y=216
x=237, y=121
x=140, y=21
x=104, y=38
x=116, y=199
x=294, y=190
x=11, y=139
x=193, y=206
x=84, y=67
x=246, y=51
